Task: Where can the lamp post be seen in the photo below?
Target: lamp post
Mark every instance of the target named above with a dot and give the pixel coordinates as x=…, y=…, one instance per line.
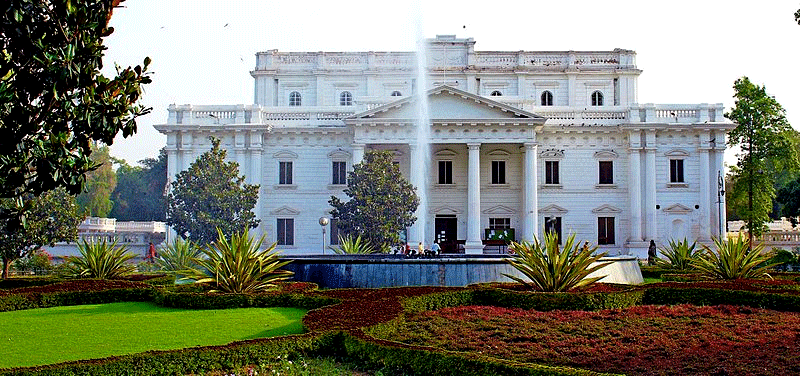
x=323, y=221
x=721, y=202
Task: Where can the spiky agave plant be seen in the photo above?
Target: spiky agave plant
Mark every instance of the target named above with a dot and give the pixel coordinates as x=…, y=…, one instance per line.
x=733, y=259
x=100, y=260
x=550, y=268
x=238, y=265
x=679, y=255
x=178, y=256
x=354, y=246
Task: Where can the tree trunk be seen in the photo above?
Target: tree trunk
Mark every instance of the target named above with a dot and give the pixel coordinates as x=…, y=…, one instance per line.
x=6, y=266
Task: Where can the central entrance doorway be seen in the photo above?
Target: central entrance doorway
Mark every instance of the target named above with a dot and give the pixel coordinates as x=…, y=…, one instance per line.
x=446, y=230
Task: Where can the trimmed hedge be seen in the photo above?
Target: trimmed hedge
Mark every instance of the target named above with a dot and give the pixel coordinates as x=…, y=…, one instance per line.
x=710, y=296
x=525, y=300
x=428, y=361
x=14, y=302
x=195, y=360
x=194, y=300
x=15, y=283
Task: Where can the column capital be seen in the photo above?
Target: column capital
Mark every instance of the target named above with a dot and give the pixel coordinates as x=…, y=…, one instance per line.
x=473, y=145
x=530, y=145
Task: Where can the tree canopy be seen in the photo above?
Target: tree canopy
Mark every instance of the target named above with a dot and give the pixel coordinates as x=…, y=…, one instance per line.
x=52, y=217
x=767, y=148
x=139, y=194
x=54, y=101
x=211, y=195
x=95, y=200
x=382, y=202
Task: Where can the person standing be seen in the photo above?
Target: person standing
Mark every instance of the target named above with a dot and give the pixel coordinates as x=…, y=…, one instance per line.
x=651, y=253
x=151, y=253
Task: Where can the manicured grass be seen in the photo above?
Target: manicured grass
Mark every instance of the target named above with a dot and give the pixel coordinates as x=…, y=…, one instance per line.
x=52, y=335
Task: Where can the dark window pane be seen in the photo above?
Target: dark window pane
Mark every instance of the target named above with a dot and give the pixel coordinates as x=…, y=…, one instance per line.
x=445, y=172
x=606, y=172
x=339, y=173
x=498, y=172
x=551, y=172
x=285, y=173
x=605, y=230
x=285, y=231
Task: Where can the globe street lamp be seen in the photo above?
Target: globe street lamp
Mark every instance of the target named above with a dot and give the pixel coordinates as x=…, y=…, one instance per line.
x=323, y=221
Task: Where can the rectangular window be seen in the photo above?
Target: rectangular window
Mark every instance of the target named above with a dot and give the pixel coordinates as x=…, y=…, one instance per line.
x=339, y=173
x=334, y=231
x=285, y=231
x=551, y=172
x=605, y=230
x=498, y=172
x=676, y=171
x=499, y=223
x=285, y=173
x=606, y=172
x=445, y=172
x=553, y=224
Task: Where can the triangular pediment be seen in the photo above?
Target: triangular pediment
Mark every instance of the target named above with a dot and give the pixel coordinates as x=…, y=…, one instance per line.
x=446, y=209
x=678, y=209
x=499, y=209
x=285, y=210
x=448, y=103
x=606, y=209
x=553, y=209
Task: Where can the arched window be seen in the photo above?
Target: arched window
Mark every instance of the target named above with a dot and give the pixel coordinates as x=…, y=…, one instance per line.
x=597, y=98
x=496, y=93
x=345, y=99
x=547, y=98
x=397, y=94
x=295, y=99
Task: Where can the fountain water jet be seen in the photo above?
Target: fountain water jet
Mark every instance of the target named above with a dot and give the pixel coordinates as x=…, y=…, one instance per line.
x=421, y=150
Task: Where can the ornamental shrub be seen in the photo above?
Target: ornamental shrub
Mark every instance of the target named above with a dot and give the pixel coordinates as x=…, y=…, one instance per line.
x=101, y=260
x=679, y=256
x=354, y=246
x=733, y=259
x=551, y=269
x=238, y=265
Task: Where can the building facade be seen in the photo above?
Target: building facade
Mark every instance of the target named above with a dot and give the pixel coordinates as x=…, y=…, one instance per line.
x=513, y=143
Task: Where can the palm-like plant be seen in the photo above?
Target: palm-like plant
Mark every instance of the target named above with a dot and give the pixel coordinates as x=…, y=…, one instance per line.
x=354, y=246
x=238, y=265
x=552, y=269
x=100, y=260
x=733, y=259
x=177, y=257
x=679, y=255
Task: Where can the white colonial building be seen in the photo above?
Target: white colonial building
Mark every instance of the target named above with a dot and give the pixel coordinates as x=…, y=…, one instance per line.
x=518, y=141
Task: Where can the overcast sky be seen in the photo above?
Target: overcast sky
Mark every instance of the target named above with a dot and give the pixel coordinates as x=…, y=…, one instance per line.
x=689, y=51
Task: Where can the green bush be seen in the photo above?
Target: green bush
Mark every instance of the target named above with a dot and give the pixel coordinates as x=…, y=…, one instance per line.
x=354, y=246
x=238, y=265
x=679, y=256
x=14, y=302
x=38, y=262
x=100, y=260
x=193, y=300
x=177, y=257
x=709, y=296
x=733, y=259
x=550, y=269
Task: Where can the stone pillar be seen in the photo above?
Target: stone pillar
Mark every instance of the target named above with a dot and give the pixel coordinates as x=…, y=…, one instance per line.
x=531, y=194
x=719, y=167
x=650, y=187
x=187, y=150
x=635, y=189
x=358, y=153
x=255, y=177
x=705, y=190
x=474, y=244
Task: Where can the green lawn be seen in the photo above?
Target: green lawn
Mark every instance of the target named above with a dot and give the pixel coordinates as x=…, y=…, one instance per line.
x=52, y=335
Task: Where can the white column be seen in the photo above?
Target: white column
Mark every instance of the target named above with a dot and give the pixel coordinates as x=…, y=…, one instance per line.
x=705, y=191
x=255, y=177
x=719, y=172
x=474, y=244
x=650, y=187
x=416, y=231
x=187, y=150
x=635, y=190
x=358, y=153
x=531, y=194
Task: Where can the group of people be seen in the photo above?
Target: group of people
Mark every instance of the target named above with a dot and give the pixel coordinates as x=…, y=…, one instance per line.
x=406, y=249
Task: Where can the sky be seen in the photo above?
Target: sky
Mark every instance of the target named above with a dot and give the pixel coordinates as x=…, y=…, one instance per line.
x=689, y=51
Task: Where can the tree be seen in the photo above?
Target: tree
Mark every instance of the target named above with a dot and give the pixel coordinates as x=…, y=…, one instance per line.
x=789, y=196
x=52, y=217
x=95, y=200
x=139, y=195
x=211, y=195
x=765, y=138
x=382, y=202
x=797, y=16
x=54, y=102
